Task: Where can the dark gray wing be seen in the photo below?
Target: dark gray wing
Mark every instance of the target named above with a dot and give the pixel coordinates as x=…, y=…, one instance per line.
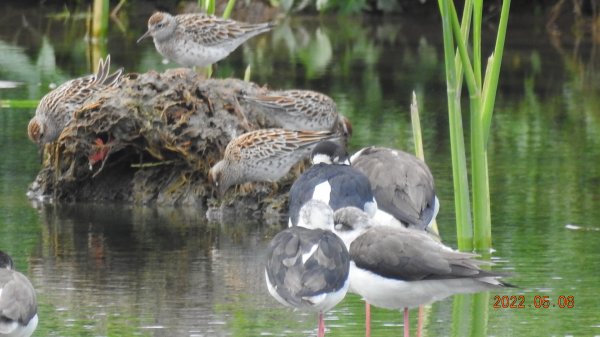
x=302, y=262
x=17, y=299
x=410, y=255
x=402, y=184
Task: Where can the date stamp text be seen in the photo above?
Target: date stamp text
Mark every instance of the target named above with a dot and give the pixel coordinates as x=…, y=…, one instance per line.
x=537, y=302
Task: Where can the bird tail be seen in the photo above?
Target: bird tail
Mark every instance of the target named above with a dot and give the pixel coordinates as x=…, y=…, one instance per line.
x=102, y=75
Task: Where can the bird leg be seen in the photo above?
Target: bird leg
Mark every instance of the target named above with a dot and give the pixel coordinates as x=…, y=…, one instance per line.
x=406, y=323
x=367, y=319
x=321, y=328
x=420, y=321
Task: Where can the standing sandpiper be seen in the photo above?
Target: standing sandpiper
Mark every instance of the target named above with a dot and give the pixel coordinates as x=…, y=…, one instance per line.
x=198, y=39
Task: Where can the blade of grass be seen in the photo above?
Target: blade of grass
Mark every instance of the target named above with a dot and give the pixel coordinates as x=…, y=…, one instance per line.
x=457, y=146
x=477, y=13
x=489, y=94
x=228, y=9
x=416, y=127
x=464, y=55
x=247, y=73
x=418, y=141
x=207, y=5
x=479, y=175
x=465, y=28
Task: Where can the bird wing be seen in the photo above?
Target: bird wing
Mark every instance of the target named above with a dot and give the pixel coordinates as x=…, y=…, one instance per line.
x=298, y=103
x=410, y=255
x=402, y=184
x=267, y=144
x=210, y=30
x=17, y=298
x=75, y=92
x=303, y=263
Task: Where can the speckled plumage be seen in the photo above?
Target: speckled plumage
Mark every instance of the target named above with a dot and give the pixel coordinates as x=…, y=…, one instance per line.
x=264, y=155
x=57, y=107
x=299, y=110
x=198, y=39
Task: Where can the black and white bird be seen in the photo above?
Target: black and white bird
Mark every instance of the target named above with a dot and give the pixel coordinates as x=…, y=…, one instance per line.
x=401, y=268
x=18, y=305
x=308, y=268
x=331, y=180
x=402, y=185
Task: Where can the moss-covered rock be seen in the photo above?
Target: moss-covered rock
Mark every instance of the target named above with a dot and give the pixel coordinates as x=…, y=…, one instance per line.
x=152, y=140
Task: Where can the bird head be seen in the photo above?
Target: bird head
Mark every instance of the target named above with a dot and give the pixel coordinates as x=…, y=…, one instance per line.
x=350, y=222
x=328, y=152
x=161, y=26
x=6, y=261
x=35, y=130
x=220, y=177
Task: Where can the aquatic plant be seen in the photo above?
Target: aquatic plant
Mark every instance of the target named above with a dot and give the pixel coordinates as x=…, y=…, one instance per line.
x=475, y=231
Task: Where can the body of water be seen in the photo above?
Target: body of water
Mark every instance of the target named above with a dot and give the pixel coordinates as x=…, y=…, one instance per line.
x=120, y=270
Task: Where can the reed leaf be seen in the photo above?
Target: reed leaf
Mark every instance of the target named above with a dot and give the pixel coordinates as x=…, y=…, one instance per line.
x=457, y=146
x=228, y=9
x=482, y=93
x=489, y=93
x=418, y=141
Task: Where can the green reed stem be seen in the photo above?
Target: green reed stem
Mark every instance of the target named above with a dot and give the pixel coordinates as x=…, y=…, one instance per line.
x=482, y=93
x=228, y=9
x=101, y=10
x=207, y=5
x=479, y=174
x=494, y=63
x=418, y=140
x=416, y=127
x=247, y=73
x=457, y=145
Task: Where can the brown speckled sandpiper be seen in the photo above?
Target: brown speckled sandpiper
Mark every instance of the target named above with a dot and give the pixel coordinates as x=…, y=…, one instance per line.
x=198, y=39
x=263, y=155
x=56, y=109
x=297, y=109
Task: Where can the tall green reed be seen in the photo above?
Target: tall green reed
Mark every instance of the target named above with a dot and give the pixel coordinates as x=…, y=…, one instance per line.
x=473, y=229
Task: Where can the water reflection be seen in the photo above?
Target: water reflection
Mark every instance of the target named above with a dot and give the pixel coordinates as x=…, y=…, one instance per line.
x=127, y=271
x=158, y=271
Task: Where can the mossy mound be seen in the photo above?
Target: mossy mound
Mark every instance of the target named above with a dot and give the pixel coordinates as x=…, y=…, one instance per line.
x=152, y=140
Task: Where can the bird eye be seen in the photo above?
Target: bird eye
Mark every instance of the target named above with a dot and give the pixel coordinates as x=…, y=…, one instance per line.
x=160, y=25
